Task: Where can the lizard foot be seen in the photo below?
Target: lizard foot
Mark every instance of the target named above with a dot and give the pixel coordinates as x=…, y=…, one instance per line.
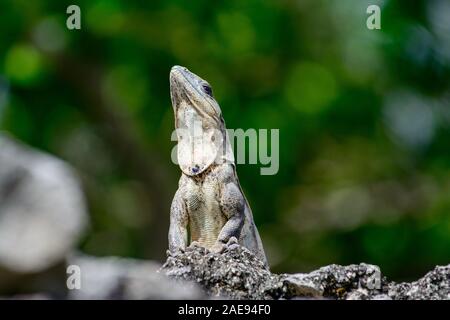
x=232, y=244
x=220, y=247
x=194, y=245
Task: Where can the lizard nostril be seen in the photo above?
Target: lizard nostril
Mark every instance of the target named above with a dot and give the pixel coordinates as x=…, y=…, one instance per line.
x=195, y=169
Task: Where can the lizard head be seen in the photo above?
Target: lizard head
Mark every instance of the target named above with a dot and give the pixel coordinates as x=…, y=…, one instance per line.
x=189, y=91
x=201, y=132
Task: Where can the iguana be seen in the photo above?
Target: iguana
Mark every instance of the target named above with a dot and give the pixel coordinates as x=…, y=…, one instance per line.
x=209, y=208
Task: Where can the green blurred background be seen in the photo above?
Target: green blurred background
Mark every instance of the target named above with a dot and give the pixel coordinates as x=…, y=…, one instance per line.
x=364, y=118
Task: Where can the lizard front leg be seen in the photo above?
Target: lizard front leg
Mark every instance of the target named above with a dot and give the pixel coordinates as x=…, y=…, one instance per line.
x=232, y=205
x=178, y=234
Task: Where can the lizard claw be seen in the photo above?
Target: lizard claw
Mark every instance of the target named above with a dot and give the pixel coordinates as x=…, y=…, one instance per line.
x=193, y=245
x=220, y=247
x=232, y=244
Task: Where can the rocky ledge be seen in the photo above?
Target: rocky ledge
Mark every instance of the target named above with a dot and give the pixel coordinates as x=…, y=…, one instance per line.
x=238, y=274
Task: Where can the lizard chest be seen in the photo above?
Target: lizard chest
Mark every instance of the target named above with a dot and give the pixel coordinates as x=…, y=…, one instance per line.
x=205, y=216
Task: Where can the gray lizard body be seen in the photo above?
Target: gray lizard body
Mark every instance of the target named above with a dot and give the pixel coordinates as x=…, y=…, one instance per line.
x=209, y=208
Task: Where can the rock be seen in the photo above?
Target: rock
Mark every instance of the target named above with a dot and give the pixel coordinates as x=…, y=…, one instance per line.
x=337, y=281
x=42, y=213
x=302, y=285
x=435, y=285
x=358, y=294
x=122, y=278
x=381, y=297
x=238, y=274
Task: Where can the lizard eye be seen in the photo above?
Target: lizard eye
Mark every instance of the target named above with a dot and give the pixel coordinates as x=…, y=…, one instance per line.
x=207, y=89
